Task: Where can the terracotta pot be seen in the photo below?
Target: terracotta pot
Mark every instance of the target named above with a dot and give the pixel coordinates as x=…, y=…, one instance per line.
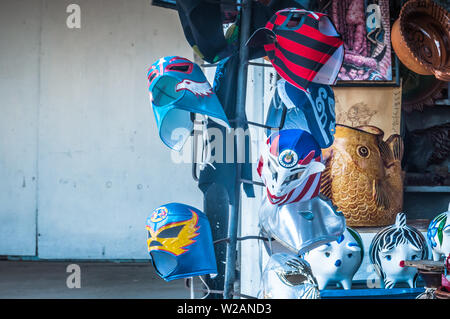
x=421, y=38
x=363, y=175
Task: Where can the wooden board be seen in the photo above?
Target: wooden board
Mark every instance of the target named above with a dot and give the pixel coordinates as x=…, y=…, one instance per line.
x=426, y=265
x=440, y=294
x=420, y=224
x=374, y=293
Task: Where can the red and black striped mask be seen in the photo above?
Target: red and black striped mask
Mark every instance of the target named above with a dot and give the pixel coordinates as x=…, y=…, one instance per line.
x=303, y=46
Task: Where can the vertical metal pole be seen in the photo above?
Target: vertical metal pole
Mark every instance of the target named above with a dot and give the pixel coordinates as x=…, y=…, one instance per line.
x=233, y=219
x=192, y=288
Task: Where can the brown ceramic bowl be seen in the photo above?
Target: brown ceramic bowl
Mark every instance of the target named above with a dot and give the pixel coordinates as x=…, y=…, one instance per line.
x=421, y=38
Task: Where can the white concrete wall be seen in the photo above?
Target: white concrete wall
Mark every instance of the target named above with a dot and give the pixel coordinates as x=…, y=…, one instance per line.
x=91, y=137
x=19, y=98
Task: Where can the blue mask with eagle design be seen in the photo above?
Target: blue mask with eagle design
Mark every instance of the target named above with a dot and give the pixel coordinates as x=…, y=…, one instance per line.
x=177, y=89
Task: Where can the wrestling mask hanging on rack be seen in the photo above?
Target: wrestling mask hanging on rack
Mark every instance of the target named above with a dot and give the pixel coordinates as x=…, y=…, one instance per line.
x=290, y=166
x=179, y=242
x=312, y=110
x=303, y=46
x=288, y=277
x=301, y=226
x=177, y=88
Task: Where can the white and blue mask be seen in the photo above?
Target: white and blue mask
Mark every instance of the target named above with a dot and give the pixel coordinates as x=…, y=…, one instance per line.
x=178, y=88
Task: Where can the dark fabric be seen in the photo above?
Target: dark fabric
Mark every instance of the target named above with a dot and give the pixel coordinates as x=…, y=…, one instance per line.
x=202, y=23
x=262, y=13
x=202, y=26
x=225, y=86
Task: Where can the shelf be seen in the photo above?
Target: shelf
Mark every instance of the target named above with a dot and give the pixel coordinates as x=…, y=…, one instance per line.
x=420, y=224
x=394, y=293
x=427, y=189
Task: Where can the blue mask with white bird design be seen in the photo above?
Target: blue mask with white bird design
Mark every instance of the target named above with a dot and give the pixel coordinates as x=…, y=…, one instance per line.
x=178, y=88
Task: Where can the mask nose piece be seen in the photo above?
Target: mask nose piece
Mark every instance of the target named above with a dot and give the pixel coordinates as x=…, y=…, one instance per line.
x=338, y=263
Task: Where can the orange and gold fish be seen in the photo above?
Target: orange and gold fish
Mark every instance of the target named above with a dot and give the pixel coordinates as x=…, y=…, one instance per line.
x=363, y=175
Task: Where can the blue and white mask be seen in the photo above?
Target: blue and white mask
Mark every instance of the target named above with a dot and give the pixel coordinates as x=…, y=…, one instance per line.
x=177, y=88
x=312, y=110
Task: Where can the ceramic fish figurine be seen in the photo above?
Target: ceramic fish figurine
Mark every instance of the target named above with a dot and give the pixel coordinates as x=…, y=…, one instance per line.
x=363, y=175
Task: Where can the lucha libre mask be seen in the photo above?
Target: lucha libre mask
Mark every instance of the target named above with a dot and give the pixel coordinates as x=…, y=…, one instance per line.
x=288, y=277
x=177, y=88
x=303, y=46
x=312, y=110
x=301, y=226
x=290, y=166
x=179, y=242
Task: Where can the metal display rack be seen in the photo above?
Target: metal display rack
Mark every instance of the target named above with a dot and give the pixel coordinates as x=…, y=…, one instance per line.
x=229, y=257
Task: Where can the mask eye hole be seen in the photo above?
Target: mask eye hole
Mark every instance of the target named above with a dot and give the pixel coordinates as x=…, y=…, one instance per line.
x=155, y=243
x=350, y=255
x=170, y=232
x=152, y=76
x=327, y=254
x=293, y=177
x=180, y=67
x=295, y=20
x=363, y=151
x=295, y=279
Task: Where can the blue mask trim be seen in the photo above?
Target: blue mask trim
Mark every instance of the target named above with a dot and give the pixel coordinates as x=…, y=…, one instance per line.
x=297, y=140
